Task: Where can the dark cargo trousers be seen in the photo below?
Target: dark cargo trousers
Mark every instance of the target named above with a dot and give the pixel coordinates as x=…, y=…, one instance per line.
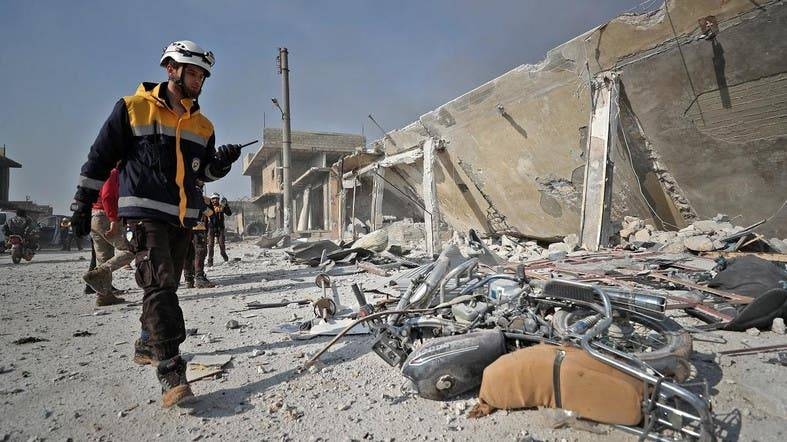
x=159, y=251
x=195, y=257
x=214, y=236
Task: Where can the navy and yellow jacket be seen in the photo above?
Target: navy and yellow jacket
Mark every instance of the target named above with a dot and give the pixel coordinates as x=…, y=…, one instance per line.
x=216, y=220
x=162, y=154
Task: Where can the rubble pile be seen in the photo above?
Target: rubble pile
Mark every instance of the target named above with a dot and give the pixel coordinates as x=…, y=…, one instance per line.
x=716, y=234
x=509, y=292
x=701, y=236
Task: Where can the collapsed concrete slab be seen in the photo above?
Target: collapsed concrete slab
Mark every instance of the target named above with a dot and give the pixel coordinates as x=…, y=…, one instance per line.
x=702, y=126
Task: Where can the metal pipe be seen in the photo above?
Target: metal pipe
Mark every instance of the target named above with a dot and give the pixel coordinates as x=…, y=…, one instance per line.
x=644, y=303
x=352, y=217
x=284, y=71
x=486, y=280
x=456, y=272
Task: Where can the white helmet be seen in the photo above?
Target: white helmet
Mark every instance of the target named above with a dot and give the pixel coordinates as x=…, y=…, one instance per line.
x=215, y=195
x=186, y=51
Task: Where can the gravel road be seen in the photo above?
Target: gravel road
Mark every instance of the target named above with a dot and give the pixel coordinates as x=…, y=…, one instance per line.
x=79, y=382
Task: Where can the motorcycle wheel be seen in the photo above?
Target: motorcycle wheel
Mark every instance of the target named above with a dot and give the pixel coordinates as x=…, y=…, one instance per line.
x=660, y=342
x=16, y=258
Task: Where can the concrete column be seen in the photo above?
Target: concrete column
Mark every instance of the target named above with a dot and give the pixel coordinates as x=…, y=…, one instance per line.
x=378, y=187
x=303, y=220
x=5, y=183
x=326, y=203
x=431, y=208
x=294, y=205
x=342, y=212
x=602, y=136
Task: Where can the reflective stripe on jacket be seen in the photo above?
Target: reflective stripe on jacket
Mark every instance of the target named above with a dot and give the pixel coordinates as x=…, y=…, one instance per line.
x=162, y=154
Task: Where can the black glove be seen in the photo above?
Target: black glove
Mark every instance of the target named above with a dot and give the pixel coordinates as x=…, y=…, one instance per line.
x=82, y=208
x=227, y=154
x=80, y=219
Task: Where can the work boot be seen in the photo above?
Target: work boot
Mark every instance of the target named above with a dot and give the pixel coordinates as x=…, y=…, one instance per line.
x=209, y=263
x=143, y=353
x=100, y=279
x=108, y=299
x=202, y=282
x=189, y=283
x=171, y=375
x=89, y=290
x=226, y=258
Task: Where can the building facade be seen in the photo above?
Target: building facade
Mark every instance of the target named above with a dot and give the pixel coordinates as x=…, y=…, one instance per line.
x=316, y=187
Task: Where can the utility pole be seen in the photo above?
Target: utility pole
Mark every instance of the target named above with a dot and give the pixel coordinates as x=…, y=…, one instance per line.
x=284, y=71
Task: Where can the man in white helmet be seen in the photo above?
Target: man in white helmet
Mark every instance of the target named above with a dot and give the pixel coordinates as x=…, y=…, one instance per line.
x=216, y=227
x=166, y=145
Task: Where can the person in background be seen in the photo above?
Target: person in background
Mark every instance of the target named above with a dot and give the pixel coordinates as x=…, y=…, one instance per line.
x=109, y=242
x=65, y=233
x=216, y=226
x=194, y=267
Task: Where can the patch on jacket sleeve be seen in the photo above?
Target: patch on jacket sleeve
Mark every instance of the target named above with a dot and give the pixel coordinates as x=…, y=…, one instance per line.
x=195, y=164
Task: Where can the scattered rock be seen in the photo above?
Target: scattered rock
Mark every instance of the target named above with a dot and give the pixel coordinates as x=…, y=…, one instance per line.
x=232, y=324
x=699, y=243
x=643, y=235
x=674, y=247
x=292, y=414
x=778, y=326
x=572, y=240
x=275, y=406
x=753, y=331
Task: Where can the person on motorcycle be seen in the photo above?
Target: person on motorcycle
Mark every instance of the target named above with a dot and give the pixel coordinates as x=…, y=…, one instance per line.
x=23, y=226
x=166, y=144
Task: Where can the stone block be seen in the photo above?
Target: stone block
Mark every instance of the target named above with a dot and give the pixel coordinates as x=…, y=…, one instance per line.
x=699, y=243
x=642, y=236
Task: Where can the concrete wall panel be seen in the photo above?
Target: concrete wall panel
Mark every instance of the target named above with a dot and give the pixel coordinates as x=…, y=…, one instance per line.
x=515, y=145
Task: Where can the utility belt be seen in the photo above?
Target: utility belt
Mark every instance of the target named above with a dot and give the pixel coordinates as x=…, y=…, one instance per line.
x=98, y=212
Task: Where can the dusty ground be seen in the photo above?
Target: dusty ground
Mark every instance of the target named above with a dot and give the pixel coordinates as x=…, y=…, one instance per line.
x=87, y=388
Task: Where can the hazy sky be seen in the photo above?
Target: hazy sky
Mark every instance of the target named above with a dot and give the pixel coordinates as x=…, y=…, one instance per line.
x=63, y=64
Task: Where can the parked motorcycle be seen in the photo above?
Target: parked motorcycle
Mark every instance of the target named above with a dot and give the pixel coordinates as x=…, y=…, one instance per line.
x=19, y=249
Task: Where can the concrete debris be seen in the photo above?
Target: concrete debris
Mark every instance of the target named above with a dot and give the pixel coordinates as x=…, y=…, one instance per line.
x=700, y=243
x=778, y=326
x=376, y=241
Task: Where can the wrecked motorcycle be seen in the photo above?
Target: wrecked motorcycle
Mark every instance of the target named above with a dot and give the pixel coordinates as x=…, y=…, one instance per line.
x=453, y=321
x=512, y=304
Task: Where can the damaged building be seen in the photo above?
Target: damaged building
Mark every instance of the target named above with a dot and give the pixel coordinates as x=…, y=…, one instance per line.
x=324, y=205
x=669, y=116
x=34, y=210
x=314, y=191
